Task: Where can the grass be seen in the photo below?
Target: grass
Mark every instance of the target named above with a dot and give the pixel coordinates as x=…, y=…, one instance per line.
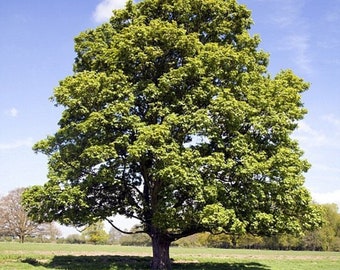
x=73, y=257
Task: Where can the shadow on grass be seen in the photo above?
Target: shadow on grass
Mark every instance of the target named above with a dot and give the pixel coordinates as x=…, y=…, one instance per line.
x=132, y=263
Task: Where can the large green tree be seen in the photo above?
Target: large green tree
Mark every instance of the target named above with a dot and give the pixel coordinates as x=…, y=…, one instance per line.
x=171, y=118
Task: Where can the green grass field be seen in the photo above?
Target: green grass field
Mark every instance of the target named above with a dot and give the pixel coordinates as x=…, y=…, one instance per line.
x=65, y=256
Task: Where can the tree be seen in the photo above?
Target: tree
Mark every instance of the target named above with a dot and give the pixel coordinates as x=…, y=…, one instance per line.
x=114, y=236
x=75, y=239
x=135, y=238
x=52, y=232
x=171, y=118
x=95, y=233
x=325, y=238
x=14, y=220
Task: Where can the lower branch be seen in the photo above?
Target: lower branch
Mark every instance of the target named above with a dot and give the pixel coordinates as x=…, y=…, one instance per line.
x=120, y=230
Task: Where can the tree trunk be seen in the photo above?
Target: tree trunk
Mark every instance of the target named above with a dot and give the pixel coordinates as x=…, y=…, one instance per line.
x=22, y=238
x=160, y=250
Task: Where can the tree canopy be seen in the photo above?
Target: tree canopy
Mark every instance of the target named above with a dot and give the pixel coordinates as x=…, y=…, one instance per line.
x=172, y=118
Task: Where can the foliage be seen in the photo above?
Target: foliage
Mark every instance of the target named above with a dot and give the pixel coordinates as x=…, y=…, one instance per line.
x=74, y=239
x=135, y=238
x=95, y=233
x=171, y=118
x=195, y=240
x=140, y=239
x=328, y=236
x=14, y=220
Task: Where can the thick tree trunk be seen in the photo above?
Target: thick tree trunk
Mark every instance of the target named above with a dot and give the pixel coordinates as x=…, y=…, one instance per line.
x=160, y=250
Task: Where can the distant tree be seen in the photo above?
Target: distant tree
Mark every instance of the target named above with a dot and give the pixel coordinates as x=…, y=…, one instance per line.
x=135, y=239
x=283, y=242
x=51, y=232
x=220, y=241
x=114, y=236
x=250, y=241
x=326, y=237
x=15, y=222
x=75, y=239
x=171, y=118
x=195, y=240
x=95, y=233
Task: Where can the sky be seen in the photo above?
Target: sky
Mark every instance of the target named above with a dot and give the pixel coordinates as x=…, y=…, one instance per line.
x=36, y=52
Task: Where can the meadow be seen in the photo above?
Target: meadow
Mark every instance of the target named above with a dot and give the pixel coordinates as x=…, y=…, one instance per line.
x=36, y=256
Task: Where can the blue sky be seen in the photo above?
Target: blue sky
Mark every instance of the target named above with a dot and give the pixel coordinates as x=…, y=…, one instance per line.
x=36, y=52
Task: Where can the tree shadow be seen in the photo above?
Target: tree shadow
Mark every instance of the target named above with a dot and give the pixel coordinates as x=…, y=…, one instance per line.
x=220, y=266
x=103, y=262
x=106, y=262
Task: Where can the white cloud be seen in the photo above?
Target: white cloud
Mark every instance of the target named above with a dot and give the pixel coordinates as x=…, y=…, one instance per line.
x=299, y=44
x=289, y=17
x=103, y=10
x=308, y=136
x=334, y=128
x=332, y=119
x=13, y=112
x=327, y=135
x=327, y=197
x=287, y=13
x=330, y=43
x=17, y=144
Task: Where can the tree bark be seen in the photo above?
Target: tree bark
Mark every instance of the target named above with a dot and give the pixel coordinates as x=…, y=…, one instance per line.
x=160, y=250
x=22, y=238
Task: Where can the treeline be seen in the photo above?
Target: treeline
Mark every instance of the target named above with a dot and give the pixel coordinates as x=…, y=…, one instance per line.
x=326, y=238
x=15, y=224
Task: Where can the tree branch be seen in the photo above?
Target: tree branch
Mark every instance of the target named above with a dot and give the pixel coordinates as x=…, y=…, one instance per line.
x=120, y=230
